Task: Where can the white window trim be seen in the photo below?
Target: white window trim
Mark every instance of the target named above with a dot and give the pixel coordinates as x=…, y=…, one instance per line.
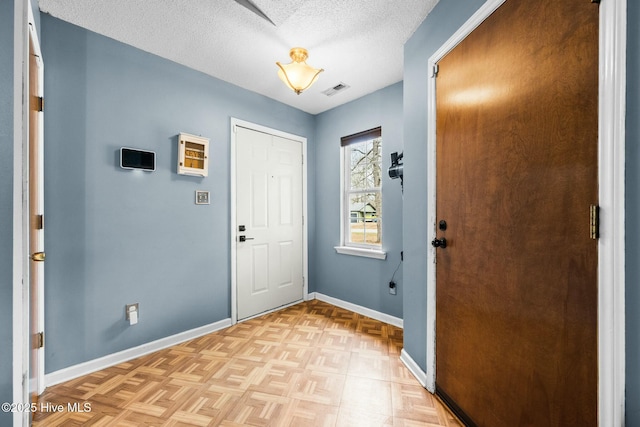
x=367, y=252
x=356, y=251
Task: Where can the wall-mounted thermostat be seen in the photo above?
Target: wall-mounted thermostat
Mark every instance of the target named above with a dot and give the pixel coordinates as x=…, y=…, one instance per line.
x=202, y=197
x=193, y=155
x=133, y=158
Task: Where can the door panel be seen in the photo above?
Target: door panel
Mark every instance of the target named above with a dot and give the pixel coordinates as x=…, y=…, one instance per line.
x=284, y=272
x=516, y=291
x=260, y=270
x=286, y=200
x=269, y=205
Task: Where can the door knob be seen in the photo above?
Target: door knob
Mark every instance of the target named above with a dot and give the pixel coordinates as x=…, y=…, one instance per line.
x=245, y=238
x=38, y=256
x=439, y=243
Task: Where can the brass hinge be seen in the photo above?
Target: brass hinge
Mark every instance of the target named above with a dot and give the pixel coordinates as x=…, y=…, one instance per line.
x=37, y=103
x=38, y=341
x=594, y=221
x=39, y=222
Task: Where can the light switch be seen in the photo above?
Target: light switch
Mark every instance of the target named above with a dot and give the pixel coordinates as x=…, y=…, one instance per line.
x=202, y=197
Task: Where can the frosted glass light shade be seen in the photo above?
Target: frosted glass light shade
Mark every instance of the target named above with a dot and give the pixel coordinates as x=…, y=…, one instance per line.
x=298, y=75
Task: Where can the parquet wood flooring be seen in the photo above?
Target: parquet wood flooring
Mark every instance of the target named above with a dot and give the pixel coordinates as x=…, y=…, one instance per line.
x=311, y=364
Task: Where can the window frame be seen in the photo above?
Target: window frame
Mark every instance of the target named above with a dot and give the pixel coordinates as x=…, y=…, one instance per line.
x=346, y=247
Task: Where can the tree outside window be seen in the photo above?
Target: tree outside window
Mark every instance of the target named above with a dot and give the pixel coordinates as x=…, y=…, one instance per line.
x=362, y=206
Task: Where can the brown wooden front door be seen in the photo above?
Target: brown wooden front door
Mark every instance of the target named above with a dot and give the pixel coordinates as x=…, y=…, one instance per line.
x=516, y=285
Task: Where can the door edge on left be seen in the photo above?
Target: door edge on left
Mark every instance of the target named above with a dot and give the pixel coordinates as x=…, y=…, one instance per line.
x=25, y=33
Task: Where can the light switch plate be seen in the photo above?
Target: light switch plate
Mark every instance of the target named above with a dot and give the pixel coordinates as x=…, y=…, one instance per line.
x=202, y=197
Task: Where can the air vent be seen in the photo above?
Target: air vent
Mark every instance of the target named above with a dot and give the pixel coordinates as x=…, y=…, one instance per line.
x=340, y=87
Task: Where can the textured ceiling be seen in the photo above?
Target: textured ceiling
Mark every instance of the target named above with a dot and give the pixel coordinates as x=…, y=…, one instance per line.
x=357, y=42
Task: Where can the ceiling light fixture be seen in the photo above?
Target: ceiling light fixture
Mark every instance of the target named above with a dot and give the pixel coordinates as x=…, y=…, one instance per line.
x=298, y=75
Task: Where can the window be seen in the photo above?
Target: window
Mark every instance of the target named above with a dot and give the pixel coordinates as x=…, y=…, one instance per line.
x=361, y=206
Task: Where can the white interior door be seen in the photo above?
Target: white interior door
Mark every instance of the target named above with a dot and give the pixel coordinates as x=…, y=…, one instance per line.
x=268, y=230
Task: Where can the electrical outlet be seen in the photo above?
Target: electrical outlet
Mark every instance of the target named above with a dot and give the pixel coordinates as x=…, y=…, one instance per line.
x=130, y=308
x=392, y=288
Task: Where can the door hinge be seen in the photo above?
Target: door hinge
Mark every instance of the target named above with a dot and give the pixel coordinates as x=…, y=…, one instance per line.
x=38, y=341
x=38, y=103
x=594, y=221
x=39, y=222
x=435, y=70
x=595, y=1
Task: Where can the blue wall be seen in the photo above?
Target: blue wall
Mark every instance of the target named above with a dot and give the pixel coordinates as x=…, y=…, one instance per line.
x=361, y=281
x=441, y=23
x=116, y=236
x=36, y=15
x=6, y=204
x=632, y=214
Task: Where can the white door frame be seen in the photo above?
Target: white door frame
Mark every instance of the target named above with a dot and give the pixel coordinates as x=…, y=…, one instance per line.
x=305, y=247
x=20, y=264
x=24, y=28
x=611, y=173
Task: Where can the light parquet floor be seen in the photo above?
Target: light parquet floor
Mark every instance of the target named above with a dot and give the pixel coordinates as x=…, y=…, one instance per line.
x=311, y=364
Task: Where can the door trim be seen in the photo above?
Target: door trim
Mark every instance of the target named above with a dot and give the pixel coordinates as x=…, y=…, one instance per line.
x=20, y=265
x=232, y=170
x=611, y=173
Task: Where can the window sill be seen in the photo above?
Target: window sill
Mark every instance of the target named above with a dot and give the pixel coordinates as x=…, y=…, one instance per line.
x=367, y=253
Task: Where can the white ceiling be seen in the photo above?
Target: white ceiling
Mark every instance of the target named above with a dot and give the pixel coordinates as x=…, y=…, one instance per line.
x=357, y=42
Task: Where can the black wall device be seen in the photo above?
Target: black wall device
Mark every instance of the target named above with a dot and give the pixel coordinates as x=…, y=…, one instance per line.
x=131, y=158
x=396, y=168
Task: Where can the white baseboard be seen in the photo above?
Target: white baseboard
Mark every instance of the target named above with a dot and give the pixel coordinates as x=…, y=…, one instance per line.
x=94, y=365
x=413, y=367
x=386, y=318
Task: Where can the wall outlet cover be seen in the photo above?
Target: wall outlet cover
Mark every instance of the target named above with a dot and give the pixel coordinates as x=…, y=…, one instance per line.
x=129, y=308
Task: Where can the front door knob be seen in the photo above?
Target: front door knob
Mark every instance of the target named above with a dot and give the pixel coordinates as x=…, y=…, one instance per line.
x=439, y=243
